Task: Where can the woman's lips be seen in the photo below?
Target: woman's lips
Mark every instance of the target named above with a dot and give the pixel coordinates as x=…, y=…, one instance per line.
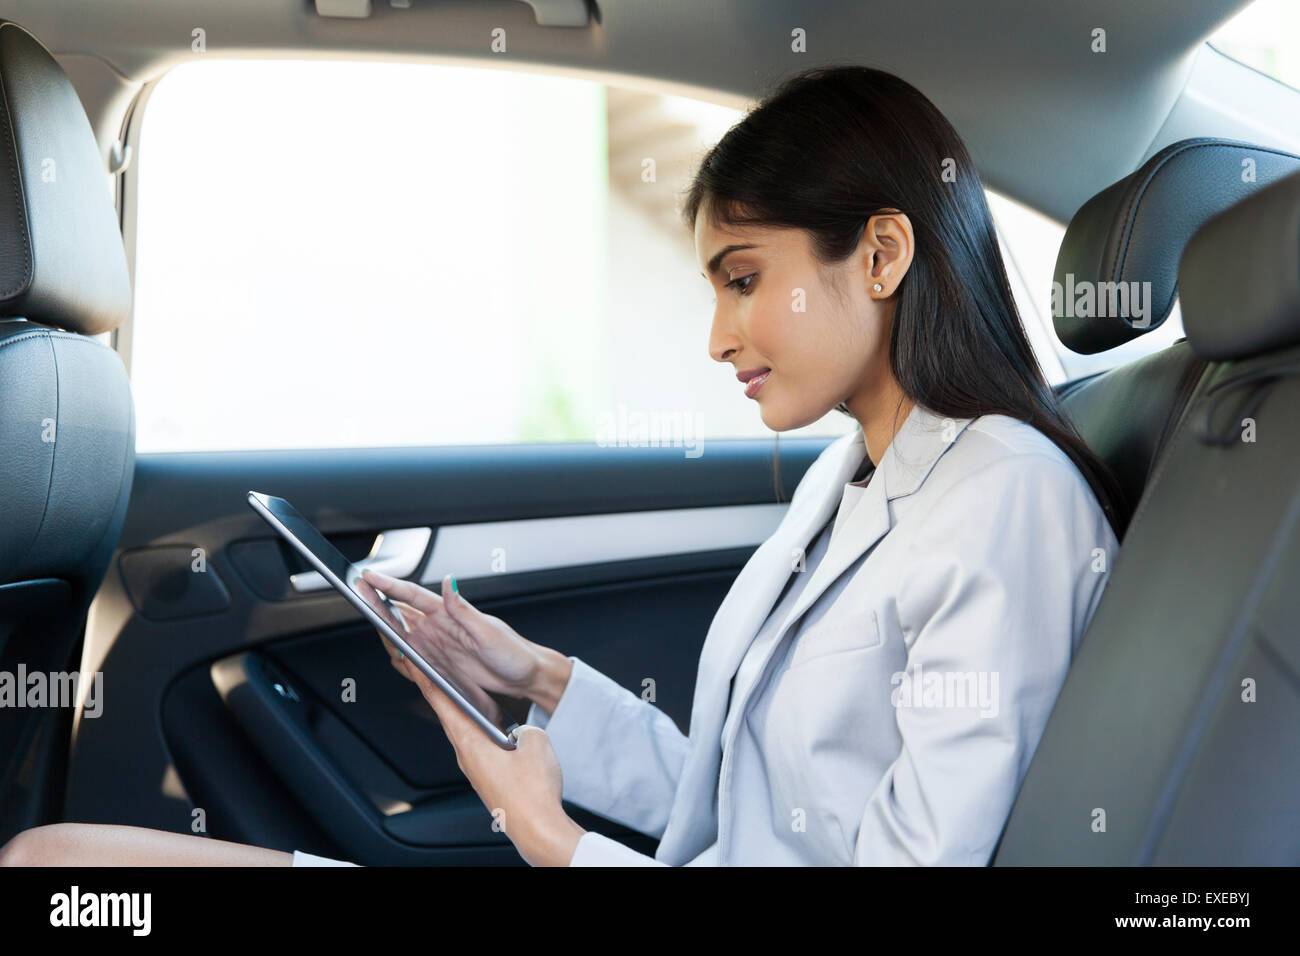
x=755, y=383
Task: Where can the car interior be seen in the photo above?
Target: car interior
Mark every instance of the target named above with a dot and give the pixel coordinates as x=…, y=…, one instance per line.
x=1171, y=165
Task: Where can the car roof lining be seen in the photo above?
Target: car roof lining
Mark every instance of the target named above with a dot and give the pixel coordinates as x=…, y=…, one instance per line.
x=997, y=69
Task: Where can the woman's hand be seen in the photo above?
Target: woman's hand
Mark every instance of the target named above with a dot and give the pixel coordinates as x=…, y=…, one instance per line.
x=475, y=651
x=521, y=788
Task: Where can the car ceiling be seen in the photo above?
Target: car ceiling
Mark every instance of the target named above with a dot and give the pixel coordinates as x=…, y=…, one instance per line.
x=1048, y=121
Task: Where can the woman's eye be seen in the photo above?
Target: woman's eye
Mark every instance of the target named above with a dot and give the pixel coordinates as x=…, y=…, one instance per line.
x=743, y=289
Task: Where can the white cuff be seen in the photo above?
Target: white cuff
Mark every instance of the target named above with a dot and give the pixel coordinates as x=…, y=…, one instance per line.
x=538, y=717
x=307, y=859
x=595, y=849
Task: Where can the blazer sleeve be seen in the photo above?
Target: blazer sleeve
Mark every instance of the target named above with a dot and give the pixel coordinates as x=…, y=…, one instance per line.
x=1000, y=577
x=620, y=756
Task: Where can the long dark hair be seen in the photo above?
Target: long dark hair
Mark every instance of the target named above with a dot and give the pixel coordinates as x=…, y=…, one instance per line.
x=832, y=146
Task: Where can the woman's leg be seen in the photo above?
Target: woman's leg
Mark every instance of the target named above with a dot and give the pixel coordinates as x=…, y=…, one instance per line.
x=98, y=844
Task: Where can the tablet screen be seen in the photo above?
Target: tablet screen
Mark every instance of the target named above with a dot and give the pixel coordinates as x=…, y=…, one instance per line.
x=330, y=556
x=306, y=538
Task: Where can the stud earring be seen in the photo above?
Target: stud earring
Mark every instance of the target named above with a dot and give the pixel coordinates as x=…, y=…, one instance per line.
x=878, y=287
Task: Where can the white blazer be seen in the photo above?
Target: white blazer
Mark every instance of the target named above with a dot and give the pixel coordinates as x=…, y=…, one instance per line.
x=977, y=553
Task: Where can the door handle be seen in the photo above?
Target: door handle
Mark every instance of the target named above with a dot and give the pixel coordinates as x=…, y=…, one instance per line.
x=396, y=553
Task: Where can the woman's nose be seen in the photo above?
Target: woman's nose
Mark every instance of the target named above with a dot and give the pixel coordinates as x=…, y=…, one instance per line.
x=723, y=342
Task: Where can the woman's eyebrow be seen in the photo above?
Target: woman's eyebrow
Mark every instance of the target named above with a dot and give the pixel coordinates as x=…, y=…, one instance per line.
x=717, y=259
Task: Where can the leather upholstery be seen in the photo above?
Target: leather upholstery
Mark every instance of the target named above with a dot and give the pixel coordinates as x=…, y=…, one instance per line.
x=67, y=437
x=1173, y=740
x=67, y=454
x=67, y=429
x=1241, y=276
x=1125, y=414
x=61, y=257
x=1135, y=229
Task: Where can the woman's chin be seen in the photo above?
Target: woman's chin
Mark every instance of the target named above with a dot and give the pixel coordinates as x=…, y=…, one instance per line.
x=785, y=419
x=771, y=419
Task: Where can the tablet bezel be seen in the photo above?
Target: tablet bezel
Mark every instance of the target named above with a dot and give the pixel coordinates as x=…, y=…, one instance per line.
x=262, y=503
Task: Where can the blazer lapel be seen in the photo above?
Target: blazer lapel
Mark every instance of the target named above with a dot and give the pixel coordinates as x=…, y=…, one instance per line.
x=920, y=442
x=756, y=590
x=693, y=824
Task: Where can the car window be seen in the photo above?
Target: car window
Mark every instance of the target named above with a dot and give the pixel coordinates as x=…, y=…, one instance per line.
x=1265, y=36
x=362, y=254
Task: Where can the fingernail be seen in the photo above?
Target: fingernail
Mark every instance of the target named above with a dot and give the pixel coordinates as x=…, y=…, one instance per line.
x=453, y=584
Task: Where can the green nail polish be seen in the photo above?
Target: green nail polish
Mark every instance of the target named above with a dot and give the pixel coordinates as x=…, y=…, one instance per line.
x=453, y=584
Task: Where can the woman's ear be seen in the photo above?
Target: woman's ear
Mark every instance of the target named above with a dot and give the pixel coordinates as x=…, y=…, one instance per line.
x=886, y=247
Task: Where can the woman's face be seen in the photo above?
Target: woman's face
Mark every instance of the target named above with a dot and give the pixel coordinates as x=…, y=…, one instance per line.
x=821, y=332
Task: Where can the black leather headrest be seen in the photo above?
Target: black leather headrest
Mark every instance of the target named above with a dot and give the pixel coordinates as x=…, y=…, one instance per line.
x=1240, y=277
x=61, y=256
x=1135, y=230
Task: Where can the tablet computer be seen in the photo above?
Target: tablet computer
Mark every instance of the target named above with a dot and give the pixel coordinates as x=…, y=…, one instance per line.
x=341, y=573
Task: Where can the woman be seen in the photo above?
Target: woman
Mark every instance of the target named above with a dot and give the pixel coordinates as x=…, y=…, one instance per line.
x=875, y=683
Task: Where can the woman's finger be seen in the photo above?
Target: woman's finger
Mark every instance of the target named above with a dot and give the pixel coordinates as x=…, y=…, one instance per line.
x=423, y=600
x=462, y=611
x=454, y=601
x=371, y=597
x=364, y=588
x=407, y=609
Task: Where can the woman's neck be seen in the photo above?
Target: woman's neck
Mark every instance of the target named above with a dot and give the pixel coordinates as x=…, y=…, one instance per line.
x=881, y=421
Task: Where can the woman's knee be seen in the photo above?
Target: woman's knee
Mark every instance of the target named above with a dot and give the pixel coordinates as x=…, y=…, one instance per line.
x=35, y=847
x=19, y=850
